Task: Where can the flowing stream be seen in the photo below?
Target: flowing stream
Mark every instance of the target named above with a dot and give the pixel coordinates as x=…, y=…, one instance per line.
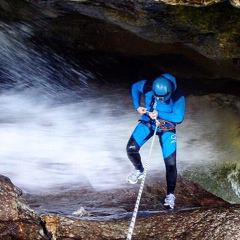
x=62, y=126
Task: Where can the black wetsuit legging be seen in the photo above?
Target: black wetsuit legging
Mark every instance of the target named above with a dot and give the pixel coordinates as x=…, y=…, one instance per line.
x=170, y=163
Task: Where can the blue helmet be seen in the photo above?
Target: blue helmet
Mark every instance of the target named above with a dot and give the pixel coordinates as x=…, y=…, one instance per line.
x=162, y=88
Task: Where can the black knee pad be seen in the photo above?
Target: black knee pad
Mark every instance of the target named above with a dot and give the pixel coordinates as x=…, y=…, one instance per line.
x=132, y=146
x=133, y=153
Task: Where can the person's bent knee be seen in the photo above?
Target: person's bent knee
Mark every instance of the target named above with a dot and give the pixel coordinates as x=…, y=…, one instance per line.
x=132, y=146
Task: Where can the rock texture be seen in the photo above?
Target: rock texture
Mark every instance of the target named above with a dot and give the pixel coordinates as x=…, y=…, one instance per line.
x=205, y=216
x=191, y=39
x=118, y=203
x=17, y=220
x=197, y=3
x=220, y=223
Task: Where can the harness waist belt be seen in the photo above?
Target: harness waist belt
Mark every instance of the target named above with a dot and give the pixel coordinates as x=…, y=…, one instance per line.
x=163, y=125
x=146, y=123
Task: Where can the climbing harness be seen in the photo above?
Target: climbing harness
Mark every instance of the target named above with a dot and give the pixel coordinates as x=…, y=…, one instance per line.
x=162, y=125
x=165, y=125
x=134, y=216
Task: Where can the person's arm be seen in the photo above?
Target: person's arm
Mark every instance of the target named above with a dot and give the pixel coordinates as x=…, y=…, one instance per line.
x=136, y=91
x=177, y=114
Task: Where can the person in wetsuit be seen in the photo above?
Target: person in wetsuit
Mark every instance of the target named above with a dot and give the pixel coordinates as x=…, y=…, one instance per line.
x=163, y=101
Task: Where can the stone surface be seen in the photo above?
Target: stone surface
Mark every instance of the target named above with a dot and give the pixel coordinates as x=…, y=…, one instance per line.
x=9, y=196
x=17, y=220
x=199, y=214
x=191, y=39
x=116, y=203
x=216, y=223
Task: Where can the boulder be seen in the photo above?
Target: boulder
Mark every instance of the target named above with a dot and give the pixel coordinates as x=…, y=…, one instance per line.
x=198, y=215
x=18, y=221
x=214, y=223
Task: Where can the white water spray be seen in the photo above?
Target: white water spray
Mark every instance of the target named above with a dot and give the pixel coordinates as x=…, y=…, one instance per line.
x=53, y=135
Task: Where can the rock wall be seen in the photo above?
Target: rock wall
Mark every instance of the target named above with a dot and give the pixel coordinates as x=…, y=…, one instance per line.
x=191, y=39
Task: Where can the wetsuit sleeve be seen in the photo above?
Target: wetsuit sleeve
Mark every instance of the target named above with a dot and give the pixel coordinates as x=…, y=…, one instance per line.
x=178, y=111
x=136, y=91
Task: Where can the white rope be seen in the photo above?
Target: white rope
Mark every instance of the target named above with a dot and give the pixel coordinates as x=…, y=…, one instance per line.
x=134, y=216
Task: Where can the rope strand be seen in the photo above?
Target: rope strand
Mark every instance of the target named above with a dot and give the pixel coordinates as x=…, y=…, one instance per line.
x=134, y=216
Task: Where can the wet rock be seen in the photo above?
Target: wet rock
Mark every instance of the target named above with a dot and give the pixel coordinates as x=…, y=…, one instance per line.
x=117, y=203
x=191, y=39
x=109, y=212
x=225, y=101
x=9, y=199
x=81, y=212
x=198, y=215
x=18, y=221
x=215, y=223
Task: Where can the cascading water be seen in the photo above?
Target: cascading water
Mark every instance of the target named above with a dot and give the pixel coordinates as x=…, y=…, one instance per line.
x=59, y=126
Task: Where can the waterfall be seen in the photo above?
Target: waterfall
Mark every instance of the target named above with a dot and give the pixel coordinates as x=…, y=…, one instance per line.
x=63, y=124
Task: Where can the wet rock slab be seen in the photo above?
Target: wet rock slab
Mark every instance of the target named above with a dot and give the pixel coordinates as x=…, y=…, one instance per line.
x=214, y=223
x=107, y=214
x=118, y=203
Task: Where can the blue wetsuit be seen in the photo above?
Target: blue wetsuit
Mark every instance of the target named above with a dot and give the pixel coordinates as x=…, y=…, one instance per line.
x=172, y=110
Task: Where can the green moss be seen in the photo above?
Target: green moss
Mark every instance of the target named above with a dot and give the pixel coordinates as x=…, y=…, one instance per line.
x=216, y=18
x=223, y=181
x=225, y=170
x=125, y=17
